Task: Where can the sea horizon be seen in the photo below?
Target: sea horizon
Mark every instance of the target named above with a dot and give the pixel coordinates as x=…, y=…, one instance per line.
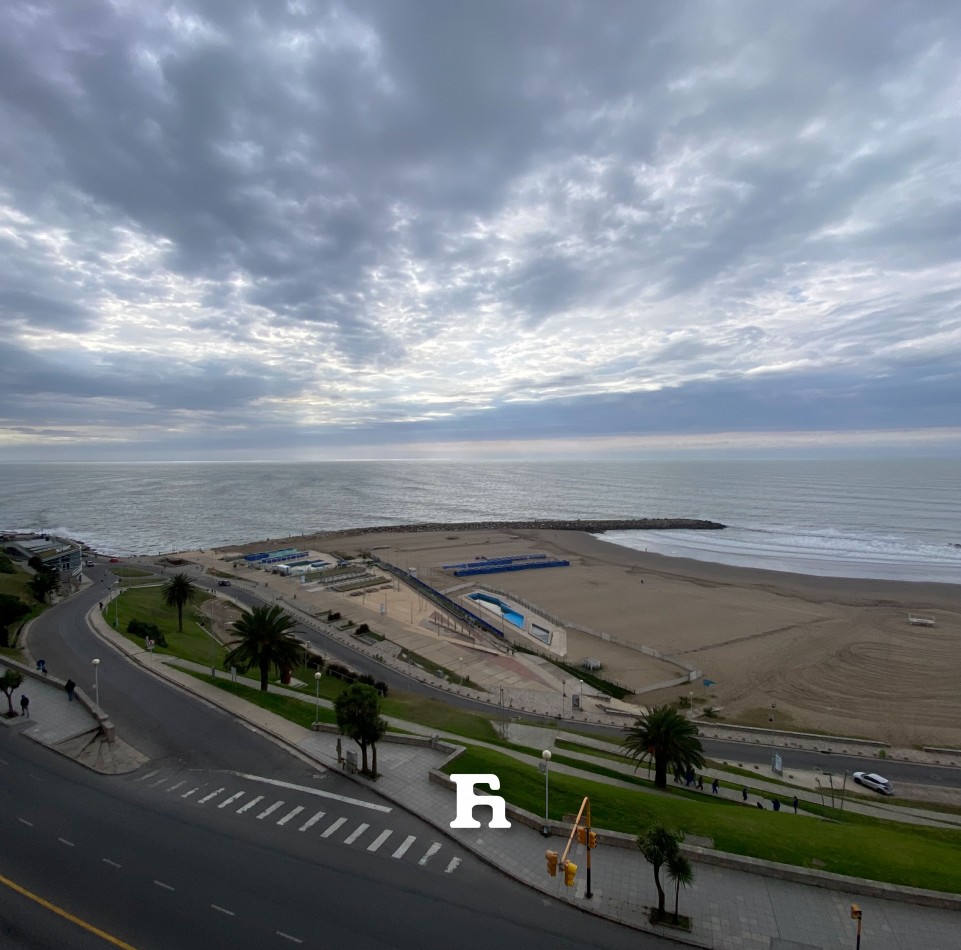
x=897, y=519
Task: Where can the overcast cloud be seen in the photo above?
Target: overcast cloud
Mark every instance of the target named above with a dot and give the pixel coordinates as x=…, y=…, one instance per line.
x=232, y=229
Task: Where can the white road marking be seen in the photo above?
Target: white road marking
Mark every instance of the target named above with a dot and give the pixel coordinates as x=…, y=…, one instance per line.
x=431, y=851
x=291, y=814
x=4, y=762
x=334, y=827
x=159, y=781
x=280, y=933
x=316, y=791
x=379, y=840
x=231, y=800
x=223, y=910
x=143, y=778
x=402, y=850
x=356, y=833
x=69, y=844
x=166, y=887
x=214, y=794
x=312, y=821
x=269, y=811
x=174, y=788
x=250, y=804
x=188, y=794
x=112, y=864
x=452, y=866
x=24, y=821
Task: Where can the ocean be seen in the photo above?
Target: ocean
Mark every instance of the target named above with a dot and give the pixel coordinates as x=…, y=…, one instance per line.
x=896, y=519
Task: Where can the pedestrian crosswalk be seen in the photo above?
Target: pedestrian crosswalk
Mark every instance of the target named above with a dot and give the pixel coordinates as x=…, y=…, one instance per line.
x=371, y=836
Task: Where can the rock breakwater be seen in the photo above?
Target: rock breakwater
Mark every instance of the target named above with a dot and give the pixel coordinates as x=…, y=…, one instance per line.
x=590, y=526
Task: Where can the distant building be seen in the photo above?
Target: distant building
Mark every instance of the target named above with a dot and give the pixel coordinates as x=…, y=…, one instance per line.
x=58, y=554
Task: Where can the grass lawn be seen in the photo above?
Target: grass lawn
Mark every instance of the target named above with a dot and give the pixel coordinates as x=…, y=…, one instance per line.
x=854, y=844
x=16, y=586
x=145, y=604
x=131, y=572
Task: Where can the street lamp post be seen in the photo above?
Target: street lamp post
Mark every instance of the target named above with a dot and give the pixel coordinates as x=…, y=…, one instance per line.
x=317, y=677
x=545, y=765
x=96, y=683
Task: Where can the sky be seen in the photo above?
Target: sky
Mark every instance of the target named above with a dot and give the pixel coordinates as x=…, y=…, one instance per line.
x=434, y=229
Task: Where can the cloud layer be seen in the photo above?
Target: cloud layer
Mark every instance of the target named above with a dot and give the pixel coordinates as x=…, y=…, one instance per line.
x=241, y=229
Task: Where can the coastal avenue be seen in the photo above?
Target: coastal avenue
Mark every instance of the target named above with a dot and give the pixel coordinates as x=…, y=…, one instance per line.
x=139, y=864
x=748, y=754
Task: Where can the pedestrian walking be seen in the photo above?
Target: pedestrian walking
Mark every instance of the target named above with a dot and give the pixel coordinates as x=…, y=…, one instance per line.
x=777, y=804
x=794, y=803
x=689, y=778
x=759, y=805
x=677, y=776
x=70, y=686
x=714, y=787
x=42, y=666
x=700, y=783
x=744, y=793
x=24, y=705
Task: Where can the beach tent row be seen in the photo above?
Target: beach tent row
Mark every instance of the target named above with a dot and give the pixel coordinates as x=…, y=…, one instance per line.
x=509, y=559
x=485, y=567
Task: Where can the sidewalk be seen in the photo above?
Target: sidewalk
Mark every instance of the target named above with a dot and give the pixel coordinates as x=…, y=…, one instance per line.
x=730, y=909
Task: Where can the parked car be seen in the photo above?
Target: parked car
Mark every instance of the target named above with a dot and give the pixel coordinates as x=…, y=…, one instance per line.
x=90, y=563
x=115, y=560
x=223, y=583
x=872, y=780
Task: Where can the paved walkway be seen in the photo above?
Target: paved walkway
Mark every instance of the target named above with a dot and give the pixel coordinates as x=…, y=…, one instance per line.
x=730, y=909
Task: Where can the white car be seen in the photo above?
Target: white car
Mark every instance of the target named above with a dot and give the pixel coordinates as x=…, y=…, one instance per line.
x=872, y=780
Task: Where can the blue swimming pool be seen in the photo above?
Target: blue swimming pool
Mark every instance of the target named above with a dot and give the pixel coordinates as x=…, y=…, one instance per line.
x=505, y=610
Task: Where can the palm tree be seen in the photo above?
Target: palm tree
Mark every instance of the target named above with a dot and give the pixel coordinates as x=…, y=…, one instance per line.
x=680, y=871
x=659, y=845
x=358, y=717
x=665, y=736
x=177, y=592
x=263, y=639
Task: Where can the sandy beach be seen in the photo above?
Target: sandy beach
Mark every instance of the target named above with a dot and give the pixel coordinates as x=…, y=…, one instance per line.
x=826, y=654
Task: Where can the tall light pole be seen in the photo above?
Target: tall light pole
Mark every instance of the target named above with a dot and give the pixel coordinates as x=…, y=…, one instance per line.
x=96, y=682
x=317, y=678
x=545, y=766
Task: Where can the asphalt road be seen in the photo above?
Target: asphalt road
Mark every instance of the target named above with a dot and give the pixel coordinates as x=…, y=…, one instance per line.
x=177, y=854
x=154, y=871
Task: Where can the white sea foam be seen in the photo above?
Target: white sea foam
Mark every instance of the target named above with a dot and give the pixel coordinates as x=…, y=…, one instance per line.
x=885, y=519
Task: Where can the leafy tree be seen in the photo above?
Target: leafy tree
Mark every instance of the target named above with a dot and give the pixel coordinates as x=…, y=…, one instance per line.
x=659, y=845
x=6, y=565
x=679, y=870
x=358, y=717
x=10, y=680
x=178, y=592
x=12, y=609
x=263, y=639
x=42, y=584
x=665, y=736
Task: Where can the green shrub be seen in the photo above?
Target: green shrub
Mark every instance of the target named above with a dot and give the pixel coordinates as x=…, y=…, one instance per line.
x=147, y=631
